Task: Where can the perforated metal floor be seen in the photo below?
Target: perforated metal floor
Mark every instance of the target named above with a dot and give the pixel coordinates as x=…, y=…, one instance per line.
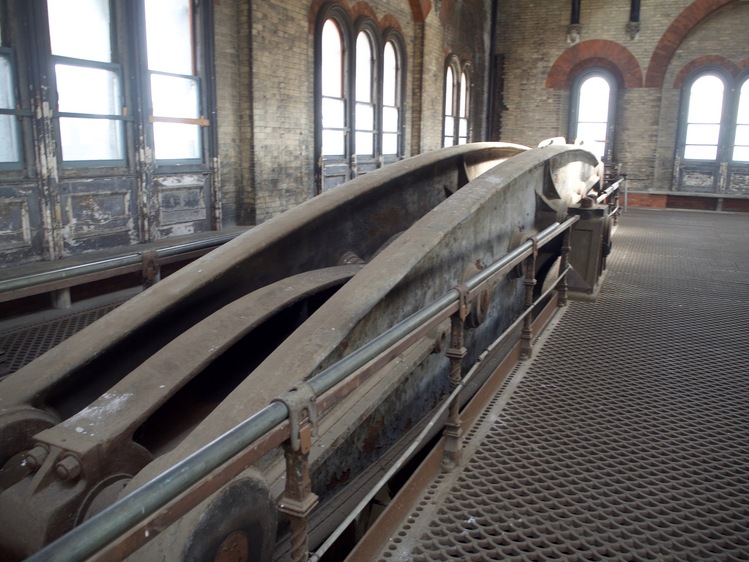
x=627, y=437
x=25, y=342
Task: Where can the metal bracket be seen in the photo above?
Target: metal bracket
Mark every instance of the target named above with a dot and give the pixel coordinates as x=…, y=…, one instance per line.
x=150, y=268
x=298, y=399
x=463, y=293
x=534, y=241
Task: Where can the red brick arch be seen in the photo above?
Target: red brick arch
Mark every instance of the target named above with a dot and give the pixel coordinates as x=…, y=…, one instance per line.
x=685, y=22
x=701, y=62
x=594, y=53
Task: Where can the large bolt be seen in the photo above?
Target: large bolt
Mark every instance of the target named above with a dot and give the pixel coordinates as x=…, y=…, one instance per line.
x=68, y=468
x=35, y=457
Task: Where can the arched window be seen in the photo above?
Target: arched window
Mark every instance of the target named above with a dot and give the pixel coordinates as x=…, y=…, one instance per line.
x=713, y=138
x=592, y=115
x=359, y=120
x=392, y=101
x=704, y=115
x=741, y=138
x=457, y=109
x=333, y=91
x=365, y=98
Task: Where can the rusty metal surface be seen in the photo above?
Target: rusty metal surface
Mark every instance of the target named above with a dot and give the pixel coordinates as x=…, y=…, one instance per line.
x=97, y=447
x=314, y=235
x=626, y=437
x=90, y=453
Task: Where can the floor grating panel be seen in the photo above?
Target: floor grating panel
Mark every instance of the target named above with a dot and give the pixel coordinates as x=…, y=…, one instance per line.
x=627, y=436
x=23, y=345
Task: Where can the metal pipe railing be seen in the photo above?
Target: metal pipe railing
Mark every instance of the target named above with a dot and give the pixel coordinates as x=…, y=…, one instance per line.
x=100, y=265
x=423, y=434
x=94, y=534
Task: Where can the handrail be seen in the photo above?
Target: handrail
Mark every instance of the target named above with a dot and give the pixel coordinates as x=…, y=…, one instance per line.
x=609, y=190
x=99, y=265
x=96, y=533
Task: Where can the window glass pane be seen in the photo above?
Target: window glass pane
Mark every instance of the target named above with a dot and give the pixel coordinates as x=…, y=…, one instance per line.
x=169, y=36
x=176, y=141
x=390, y=119
x=449, y=92
x=463, y=127
x=742, y=135
x=463, y=112
x=364, y=117
x=594, y=100
x=82, y=89
x=741, y=154
x=332, y=60
x=741, y=145
x=332, y=143
x=364, y=143
x=7, y=95
x=591, y=132
x=706, y=100
x=173, y=96
x=91, y=139
x=332, y=113
x=743, y=115
x=448, y=141
x=449, y=126
x=696, y=152
x=389, y=143
x=703, y=134
x=10, y=151
x=389, y=77
x=741, y=142
x=363, y=68
x=80, y=29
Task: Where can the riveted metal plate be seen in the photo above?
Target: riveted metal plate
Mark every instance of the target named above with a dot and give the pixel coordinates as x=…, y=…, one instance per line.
x=627, y=437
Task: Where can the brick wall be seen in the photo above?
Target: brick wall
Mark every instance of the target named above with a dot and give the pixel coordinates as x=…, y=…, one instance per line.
x=265, y=76
x=540, y=65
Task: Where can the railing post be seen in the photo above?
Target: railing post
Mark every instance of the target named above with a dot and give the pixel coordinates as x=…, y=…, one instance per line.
x=563, y=265
x=150, y=268
x=298, y=500
x=452, y=452
x=526, y=337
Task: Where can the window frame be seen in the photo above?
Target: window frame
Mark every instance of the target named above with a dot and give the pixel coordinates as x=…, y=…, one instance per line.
x=575, y=94
x=199, y=31
x=57, y=115
x=723, y=128
x=352, y=162
x=394, y=38
x=461, y=88
x=16, y=112
x=368, y=28
x=741, y=89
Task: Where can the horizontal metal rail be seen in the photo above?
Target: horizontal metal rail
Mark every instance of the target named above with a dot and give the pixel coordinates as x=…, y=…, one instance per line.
x=614, y=190
x=69, y=275
x=95, y=534
x=424, y=433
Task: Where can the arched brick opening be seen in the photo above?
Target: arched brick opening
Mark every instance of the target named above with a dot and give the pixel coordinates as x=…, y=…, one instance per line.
x=594, y=53
x=690, y=18
x=702, y=62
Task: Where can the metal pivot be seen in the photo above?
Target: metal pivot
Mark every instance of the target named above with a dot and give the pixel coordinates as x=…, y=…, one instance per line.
x=526, y=337
x=563, y=266
x=298, y=500
x=452, y=452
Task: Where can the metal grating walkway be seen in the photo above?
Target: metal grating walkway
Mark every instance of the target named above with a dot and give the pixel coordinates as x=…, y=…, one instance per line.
x=627, y=437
